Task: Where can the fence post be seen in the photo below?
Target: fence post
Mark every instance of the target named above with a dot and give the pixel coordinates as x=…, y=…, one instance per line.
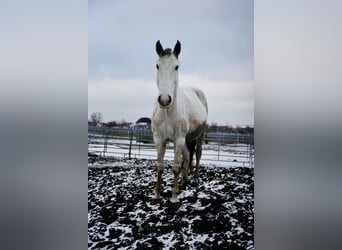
x=130, y=142
x=105, y=139
x=139, y=141
x=250, y=149
x=219, y=146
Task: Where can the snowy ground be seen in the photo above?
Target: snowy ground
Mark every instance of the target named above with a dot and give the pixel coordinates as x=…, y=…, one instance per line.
x=218, y=214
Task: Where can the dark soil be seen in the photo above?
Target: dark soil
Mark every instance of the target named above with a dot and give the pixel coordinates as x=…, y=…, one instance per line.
x=218, y=214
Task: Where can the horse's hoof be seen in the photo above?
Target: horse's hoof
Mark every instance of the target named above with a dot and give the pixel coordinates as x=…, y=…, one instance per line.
x=194, y=184
x=155, y=199
x=174, y=206
x=183, y=186
x=174, y=200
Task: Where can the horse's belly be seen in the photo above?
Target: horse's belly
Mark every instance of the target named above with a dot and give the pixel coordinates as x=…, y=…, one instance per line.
x=197, y=115
x=196, y=132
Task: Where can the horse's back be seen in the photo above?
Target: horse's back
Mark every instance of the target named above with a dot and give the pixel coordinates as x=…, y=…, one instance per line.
x=201, y=96
x=197, y=100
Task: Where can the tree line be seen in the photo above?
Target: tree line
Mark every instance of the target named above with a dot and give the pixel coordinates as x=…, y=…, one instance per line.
x=96, y=119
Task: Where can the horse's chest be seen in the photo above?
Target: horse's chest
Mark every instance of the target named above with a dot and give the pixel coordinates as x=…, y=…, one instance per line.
x=166, y=127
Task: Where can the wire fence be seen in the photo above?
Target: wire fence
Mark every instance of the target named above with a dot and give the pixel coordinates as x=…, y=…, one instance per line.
x=137, y=142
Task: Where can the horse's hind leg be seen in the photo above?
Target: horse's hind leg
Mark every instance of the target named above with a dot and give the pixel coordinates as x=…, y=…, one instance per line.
x=199, y=144
x=191, y=147
x=185, y=165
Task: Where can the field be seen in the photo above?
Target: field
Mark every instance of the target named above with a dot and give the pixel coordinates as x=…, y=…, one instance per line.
x=218, y=214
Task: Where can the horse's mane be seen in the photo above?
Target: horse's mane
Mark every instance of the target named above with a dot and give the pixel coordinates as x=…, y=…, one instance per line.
x=166, y=52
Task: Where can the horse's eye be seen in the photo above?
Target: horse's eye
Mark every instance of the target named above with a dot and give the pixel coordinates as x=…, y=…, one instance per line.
x=176, y=68
x=157, y=66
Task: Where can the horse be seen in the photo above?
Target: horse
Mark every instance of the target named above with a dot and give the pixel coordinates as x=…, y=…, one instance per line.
x=179, y=116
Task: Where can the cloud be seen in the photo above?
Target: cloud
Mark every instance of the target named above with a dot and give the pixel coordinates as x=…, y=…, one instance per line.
x=121, y=99
x=213, y=34
x=217, y=55
x=229, y=102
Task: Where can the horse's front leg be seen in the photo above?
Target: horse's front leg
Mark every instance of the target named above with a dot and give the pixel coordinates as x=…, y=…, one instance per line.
x=161, y=147
x=176, y=168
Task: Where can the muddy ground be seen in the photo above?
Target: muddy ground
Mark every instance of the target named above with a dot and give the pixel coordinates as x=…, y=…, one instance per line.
x=218, y=214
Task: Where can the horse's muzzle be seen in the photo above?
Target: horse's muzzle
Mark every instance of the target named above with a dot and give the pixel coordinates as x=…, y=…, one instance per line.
x=164, y=101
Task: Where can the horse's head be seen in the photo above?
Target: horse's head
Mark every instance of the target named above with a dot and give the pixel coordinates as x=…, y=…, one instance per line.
x=167, y=75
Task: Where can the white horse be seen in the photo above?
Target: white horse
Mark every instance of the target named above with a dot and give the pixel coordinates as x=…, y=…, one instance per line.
x=180, y=116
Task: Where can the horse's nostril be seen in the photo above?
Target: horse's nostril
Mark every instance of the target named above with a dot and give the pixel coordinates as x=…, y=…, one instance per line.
x=164, y=100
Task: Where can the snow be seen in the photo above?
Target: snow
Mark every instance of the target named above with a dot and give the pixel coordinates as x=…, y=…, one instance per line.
x=219, y=213
x=168, y=240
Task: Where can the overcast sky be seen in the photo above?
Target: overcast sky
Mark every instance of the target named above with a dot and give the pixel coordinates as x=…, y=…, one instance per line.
x=216, y=55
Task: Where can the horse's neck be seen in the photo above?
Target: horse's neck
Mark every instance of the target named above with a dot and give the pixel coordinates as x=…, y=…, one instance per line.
x=178, y=103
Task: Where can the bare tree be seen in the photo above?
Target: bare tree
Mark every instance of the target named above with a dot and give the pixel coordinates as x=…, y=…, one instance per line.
x=96, y=117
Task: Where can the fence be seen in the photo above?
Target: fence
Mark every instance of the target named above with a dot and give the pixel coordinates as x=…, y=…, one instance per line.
x=137, y=142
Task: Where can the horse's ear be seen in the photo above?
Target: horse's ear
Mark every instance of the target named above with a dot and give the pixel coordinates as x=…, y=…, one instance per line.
x=159, y=48
x=177, y=49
